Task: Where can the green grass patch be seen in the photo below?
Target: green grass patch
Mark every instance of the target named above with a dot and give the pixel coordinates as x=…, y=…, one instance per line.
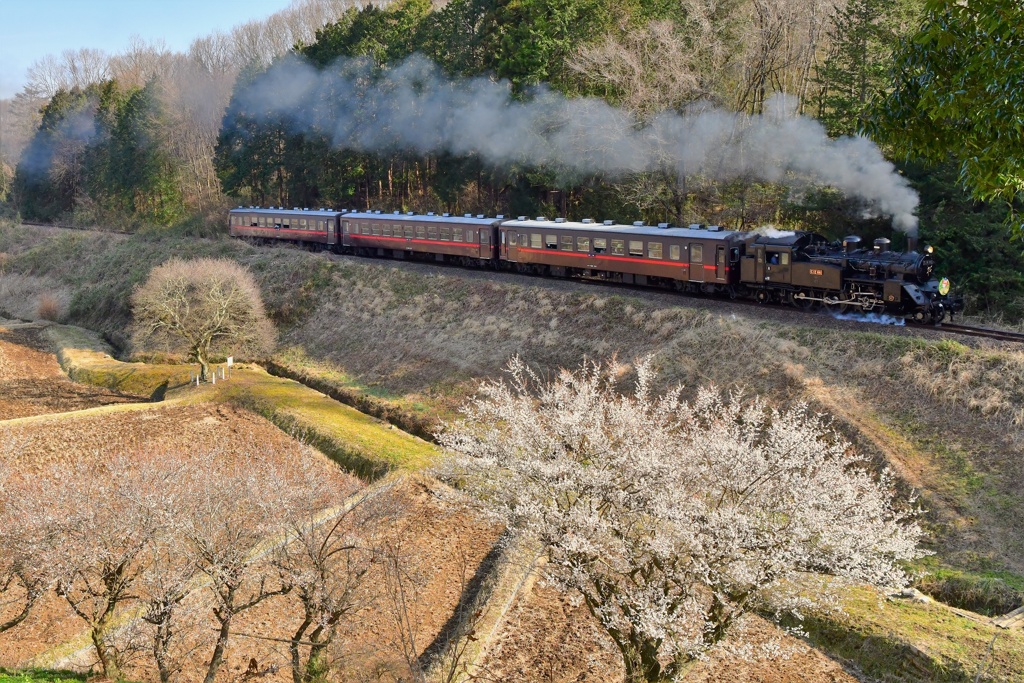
x=988, y=592
x=909, y=641
x=39, y=676
x=360, y=443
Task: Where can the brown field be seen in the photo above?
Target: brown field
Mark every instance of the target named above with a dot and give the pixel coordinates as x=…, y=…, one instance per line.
x=443, y=547
x=32, y=383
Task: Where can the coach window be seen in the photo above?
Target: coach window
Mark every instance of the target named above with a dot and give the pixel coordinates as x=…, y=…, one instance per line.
x=583, y=244
x=567, y=242
x=409, y=231
x=636, y=248
x=535, y=240
x=376, y=229
x=619, y=247
x=432, y=232
x=673, y=252
x=365, y=227
x=600, y=245
x=456, y=234
x=470, y=235
x=696, y=253
x=253, y=222
x=784, y=258
x=446, y=234
x=551, y=241
x=654, y=250
x=421, y=232
x=388, y=230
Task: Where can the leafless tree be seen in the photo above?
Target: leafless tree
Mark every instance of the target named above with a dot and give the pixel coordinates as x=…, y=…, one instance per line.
x=97, y=533
x=140, y=62
x=22, y=578
x=201, y=307
x=225, y=514
x=325, y=562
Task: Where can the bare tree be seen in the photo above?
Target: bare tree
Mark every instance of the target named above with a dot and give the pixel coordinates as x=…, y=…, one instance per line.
x=98, y=532
x=225, y=514
x=325, y=562
x=669, y=518
x=201, y=307
x=23, y=579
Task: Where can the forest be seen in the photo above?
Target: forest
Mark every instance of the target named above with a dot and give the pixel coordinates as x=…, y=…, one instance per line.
x=332, y=103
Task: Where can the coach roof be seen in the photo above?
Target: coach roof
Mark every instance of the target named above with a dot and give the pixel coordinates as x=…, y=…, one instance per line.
x=627, y=230
x=423, y=218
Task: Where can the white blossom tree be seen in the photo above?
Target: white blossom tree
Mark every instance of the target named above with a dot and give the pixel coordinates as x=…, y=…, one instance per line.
x=669, y=518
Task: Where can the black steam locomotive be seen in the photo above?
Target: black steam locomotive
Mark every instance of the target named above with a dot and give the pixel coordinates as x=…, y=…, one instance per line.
x=799, y=268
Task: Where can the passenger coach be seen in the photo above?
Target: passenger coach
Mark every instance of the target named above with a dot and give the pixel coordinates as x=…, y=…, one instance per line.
x=693, y=259
x=316, y=227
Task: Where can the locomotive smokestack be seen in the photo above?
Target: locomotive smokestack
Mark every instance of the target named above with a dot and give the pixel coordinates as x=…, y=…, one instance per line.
x=851, y=243
x=911, y=242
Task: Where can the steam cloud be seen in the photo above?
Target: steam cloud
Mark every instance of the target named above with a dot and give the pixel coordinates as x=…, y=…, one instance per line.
x=415, y=108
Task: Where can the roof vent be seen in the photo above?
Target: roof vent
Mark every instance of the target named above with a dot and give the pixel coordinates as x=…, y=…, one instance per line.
x=638, y=224
x=409, y=213
x=715, y=228
x=377, y=211
x=305, y=208
x=446, y=214
x=500, y=216
x=694, y=226
x=479, y=215
x=662, y=225
x=559, y=220
x=295, y=208
x=251, y=206
x=588, y=221
x=609, y=222
x=397, y=213
x=430, y=213
x=467, y=215
x=521, y=218
x=541, y=218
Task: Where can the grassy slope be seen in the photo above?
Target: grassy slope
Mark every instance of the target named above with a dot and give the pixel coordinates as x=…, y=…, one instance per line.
x=948, y=417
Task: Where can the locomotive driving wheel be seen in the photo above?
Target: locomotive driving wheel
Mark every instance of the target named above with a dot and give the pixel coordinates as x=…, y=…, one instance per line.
x=803, y=299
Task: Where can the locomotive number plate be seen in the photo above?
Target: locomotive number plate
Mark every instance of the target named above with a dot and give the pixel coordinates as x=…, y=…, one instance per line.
x=817, y=271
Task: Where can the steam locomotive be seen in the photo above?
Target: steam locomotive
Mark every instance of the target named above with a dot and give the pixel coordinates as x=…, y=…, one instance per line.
x=797, y=268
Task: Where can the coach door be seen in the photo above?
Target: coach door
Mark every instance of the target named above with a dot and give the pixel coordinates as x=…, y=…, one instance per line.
x=697, y=262
x=720, y=263
x=511, y=245
x=485, y=243
x=346, y=232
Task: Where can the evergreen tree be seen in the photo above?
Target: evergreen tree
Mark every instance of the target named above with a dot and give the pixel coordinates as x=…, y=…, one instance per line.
x=856, y=71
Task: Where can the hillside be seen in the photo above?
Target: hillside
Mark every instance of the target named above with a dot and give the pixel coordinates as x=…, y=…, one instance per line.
x=409, y=342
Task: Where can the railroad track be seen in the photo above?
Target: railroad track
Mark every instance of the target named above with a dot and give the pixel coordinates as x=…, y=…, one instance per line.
x=984, y=332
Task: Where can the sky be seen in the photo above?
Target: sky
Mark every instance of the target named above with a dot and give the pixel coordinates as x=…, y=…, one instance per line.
x=32, y=29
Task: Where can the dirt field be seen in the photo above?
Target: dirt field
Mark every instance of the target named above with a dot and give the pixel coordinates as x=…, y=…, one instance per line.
x=548, y=639
x=32, y=383
x=443, y=548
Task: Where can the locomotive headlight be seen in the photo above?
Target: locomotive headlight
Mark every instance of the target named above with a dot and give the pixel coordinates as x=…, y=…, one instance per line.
x=929, y=249
x=944, y=286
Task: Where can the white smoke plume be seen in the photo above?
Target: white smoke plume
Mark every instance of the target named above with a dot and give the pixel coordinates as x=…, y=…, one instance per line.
x=413, y=107
x=771, y=232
